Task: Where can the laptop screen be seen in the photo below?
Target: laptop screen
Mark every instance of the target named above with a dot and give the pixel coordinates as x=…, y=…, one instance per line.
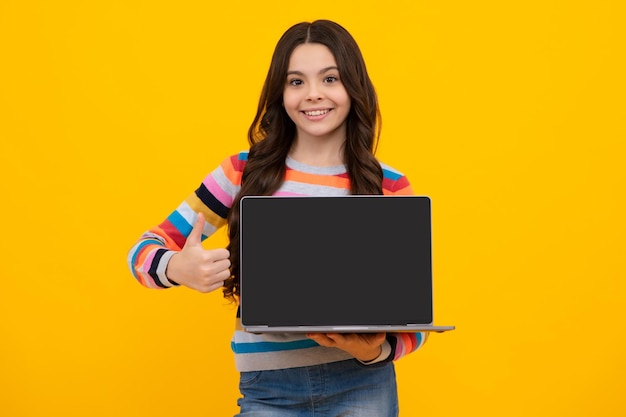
x=335, y=261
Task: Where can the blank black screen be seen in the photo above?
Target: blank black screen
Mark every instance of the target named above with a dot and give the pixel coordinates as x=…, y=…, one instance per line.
x=326, y=261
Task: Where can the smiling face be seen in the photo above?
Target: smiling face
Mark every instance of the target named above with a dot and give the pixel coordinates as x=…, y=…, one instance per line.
x=314, y=97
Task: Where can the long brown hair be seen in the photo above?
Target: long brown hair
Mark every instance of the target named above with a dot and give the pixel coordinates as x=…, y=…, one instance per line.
x=272, y=132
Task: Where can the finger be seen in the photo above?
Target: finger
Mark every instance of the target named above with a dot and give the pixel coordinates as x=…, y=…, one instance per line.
x=221, y=276
x=221, y=266
x=209, y=288
x=195, y=237
x=380, y=337
x=373, y=337
x=320, y=339
x=215, y=271
x=220, y=254
x=336, y=337
x=215, y=286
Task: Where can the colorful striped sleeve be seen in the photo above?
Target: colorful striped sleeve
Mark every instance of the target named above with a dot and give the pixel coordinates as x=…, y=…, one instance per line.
x=149, y=257
x=394, y=182
x=404, y=343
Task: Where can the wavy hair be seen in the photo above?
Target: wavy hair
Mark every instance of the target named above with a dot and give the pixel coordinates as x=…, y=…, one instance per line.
x=272, y=131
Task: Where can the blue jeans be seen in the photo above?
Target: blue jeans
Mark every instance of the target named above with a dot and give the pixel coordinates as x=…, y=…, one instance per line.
x=345, y=388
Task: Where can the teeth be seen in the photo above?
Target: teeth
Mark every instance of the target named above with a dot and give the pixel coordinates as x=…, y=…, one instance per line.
x=316, y=112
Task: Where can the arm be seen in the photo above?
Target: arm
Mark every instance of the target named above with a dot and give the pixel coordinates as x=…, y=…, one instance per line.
x=166, y=255
x=396, y=183
x=404, y=343
x=197, y=268
x=370, y=348
x=366, y=347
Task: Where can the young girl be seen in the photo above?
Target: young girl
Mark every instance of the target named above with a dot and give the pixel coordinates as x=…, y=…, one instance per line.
x=314, y=133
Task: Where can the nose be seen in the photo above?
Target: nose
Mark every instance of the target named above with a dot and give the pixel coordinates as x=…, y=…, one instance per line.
x=314, y=93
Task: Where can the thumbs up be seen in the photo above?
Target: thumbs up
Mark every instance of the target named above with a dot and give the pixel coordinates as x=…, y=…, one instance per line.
x=195, y=237
x=197, y=268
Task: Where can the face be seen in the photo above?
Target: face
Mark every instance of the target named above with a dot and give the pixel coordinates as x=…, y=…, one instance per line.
x=314, y=96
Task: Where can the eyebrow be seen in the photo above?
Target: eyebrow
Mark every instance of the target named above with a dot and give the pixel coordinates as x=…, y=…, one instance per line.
x=322, y=71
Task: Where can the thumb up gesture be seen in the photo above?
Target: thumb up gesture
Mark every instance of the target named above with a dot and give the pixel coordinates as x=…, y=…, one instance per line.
x=197, y=268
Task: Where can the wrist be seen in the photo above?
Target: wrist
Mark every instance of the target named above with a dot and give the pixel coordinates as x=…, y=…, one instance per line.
x=372, y=357
x=384, y=352
x=166, y=260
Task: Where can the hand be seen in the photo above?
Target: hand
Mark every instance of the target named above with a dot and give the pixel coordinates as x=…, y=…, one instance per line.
x=197, y=268
x=363, y=346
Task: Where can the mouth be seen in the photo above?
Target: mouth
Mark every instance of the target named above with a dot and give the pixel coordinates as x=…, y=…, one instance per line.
x=316, y=113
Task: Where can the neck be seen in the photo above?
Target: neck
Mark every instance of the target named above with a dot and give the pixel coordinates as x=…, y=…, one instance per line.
x=318, y=152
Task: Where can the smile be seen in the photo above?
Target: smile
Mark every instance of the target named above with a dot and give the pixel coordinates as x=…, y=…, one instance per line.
x=316, y=112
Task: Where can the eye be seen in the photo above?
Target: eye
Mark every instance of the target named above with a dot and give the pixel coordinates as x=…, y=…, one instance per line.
x=331, y=79
x=295, y=82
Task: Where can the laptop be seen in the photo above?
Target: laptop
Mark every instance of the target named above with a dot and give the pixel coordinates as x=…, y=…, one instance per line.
x=353, y=264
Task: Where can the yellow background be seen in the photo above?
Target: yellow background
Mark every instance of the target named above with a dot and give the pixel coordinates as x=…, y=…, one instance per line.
x=510, y=115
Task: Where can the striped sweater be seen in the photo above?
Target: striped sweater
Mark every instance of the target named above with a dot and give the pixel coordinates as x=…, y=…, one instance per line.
x=148, y=258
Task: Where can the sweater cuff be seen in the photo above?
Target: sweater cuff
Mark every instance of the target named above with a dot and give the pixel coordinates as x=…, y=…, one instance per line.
x=385, y=352
x=163, y=262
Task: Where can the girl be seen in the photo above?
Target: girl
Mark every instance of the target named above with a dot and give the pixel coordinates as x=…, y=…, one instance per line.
x=314, y=133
